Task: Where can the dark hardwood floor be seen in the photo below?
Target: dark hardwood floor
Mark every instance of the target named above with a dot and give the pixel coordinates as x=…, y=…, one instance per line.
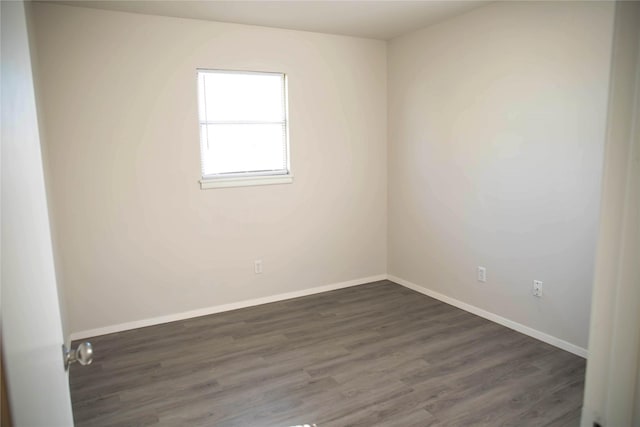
x=372, y=355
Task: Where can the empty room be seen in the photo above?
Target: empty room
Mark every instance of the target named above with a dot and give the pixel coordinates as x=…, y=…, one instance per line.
x=320, y=213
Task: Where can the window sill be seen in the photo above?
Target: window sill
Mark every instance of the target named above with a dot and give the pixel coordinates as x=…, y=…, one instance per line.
x=245, y=181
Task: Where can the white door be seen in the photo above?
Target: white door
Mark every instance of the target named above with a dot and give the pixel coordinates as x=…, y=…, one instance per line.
x=38, y=385
x=612, y=389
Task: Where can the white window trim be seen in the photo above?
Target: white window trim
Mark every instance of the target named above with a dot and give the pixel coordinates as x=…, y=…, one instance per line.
x=245, y=181
x=254, y=178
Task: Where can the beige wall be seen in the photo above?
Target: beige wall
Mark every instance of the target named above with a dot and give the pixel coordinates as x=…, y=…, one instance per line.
x=50, y=200
x=496, y=129
x=495, y=143
x=137, y=237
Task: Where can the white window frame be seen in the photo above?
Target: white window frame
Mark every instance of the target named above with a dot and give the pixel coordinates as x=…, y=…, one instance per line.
x=249, y=178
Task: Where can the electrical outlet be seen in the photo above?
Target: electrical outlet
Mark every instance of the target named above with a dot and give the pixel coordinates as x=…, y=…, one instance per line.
x=257, y=266
x=537, y=288
x=482, y=274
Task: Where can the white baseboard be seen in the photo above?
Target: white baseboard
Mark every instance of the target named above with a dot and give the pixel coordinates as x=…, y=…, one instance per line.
x=549, y=339
x=534, y=333
x=220, y=308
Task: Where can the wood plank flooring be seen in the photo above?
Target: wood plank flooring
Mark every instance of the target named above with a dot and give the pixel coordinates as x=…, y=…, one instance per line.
x=372, y=355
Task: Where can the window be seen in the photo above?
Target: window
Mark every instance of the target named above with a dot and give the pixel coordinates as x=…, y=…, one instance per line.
x=243, y=128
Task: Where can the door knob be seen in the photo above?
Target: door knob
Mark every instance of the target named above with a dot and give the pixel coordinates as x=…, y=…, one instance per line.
x=83, y=354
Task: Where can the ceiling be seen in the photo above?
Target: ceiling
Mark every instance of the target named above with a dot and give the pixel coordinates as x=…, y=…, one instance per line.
x=382, y=20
